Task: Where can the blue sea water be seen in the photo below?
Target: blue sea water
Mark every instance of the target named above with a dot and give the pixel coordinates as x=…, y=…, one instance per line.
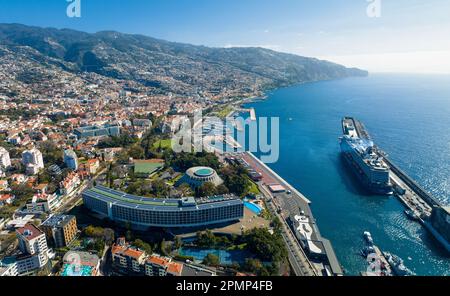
x=408, y=116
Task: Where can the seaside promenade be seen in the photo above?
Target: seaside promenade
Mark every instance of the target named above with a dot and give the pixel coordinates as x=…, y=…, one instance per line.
x=286, y=204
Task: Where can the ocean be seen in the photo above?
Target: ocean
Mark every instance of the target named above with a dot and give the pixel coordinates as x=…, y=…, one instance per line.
x=408, y=117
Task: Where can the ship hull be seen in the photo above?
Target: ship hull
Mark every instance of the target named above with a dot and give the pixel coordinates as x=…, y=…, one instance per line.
x=359, y=154
x=363, y=179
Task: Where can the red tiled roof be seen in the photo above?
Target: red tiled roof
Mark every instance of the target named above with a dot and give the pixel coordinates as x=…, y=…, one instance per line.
x=117, y=249
x=4, y=197
x=175, y=268
x=32, y=230
x=244, y=274
x=158, y=260
x=41, y=196
x=133, y=253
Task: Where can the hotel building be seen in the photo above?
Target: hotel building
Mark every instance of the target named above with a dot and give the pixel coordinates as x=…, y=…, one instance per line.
x=97, y=131
x=144, y=212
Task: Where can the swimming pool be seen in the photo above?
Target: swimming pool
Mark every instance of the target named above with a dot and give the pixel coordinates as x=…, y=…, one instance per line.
x=70, y=270
x=226, y=257
x=252, y=207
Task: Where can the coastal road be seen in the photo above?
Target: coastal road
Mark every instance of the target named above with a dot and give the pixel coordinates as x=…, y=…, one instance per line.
x=291, y=203
x=297, y=257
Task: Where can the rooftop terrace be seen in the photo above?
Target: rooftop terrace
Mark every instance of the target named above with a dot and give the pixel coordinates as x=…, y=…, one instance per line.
x=124, y=199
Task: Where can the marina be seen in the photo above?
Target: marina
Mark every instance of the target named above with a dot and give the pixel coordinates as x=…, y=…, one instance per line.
x=382, y=263
x=377, y=263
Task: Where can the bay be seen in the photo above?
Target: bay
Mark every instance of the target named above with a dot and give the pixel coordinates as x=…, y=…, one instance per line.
x=408, y=116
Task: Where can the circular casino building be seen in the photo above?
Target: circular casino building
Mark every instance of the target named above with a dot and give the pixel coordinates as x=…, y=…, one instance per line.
x=197, y=176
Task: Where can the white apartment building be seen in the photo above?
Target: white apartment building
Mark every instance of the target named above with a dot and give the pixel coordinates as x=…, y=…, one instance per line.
x=33, y=161
x=33, y=244
x=5, y=161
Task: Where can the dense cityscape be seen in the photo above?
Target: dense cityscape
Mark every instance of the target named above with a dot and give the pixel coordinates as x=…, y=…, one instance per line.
x=123, y=155
x=90, y=184
x=53, y=149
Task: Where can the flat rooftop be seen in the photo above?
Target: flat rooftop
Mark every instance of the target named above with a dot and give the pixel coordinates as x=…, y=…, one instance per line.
x=138, y=202
x=85, y=258
x=191, y=270
x=58, y=220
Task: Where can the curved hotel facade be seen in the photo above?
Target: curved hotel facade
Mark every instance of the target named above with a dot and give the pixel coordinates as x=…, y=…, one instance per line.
x=144, y=212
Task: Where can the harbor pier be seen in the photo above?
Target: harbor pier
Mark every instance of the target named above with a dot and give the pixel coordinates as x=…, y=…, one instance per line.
x=411, y=184
x=381, y=176
x=289, y=205
x=421, y=205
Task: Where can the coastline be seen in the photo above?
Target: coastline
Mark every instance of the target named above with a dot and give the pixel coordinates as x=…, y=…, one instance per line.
x=329, y=263
x=288, y=185
x=330, y=259
x=339, y=205
x=265, y=94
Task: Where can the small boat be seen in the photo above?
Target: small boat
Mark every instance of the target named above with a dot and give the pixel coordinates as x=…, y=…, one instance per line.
x=412, y=215
x=367, y=251
x=368, y=237
x=397, y=265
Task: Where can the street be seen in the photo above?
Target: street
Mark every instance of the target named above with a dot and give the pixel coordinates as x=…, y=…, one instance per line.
x=297, y=257
x=74, y=198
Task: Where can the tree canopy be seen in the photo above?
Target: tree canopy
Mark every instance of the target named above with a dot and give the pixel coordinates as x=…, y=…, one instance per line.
x=211, y=260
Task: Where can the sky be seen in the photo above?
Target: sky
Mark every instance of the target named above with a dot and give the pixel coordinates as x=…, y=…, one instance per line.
x=409, y=36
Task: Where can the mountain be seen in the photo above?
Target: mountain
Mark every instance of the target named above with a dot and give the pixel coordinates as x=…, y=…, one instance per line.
x=166, y=66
